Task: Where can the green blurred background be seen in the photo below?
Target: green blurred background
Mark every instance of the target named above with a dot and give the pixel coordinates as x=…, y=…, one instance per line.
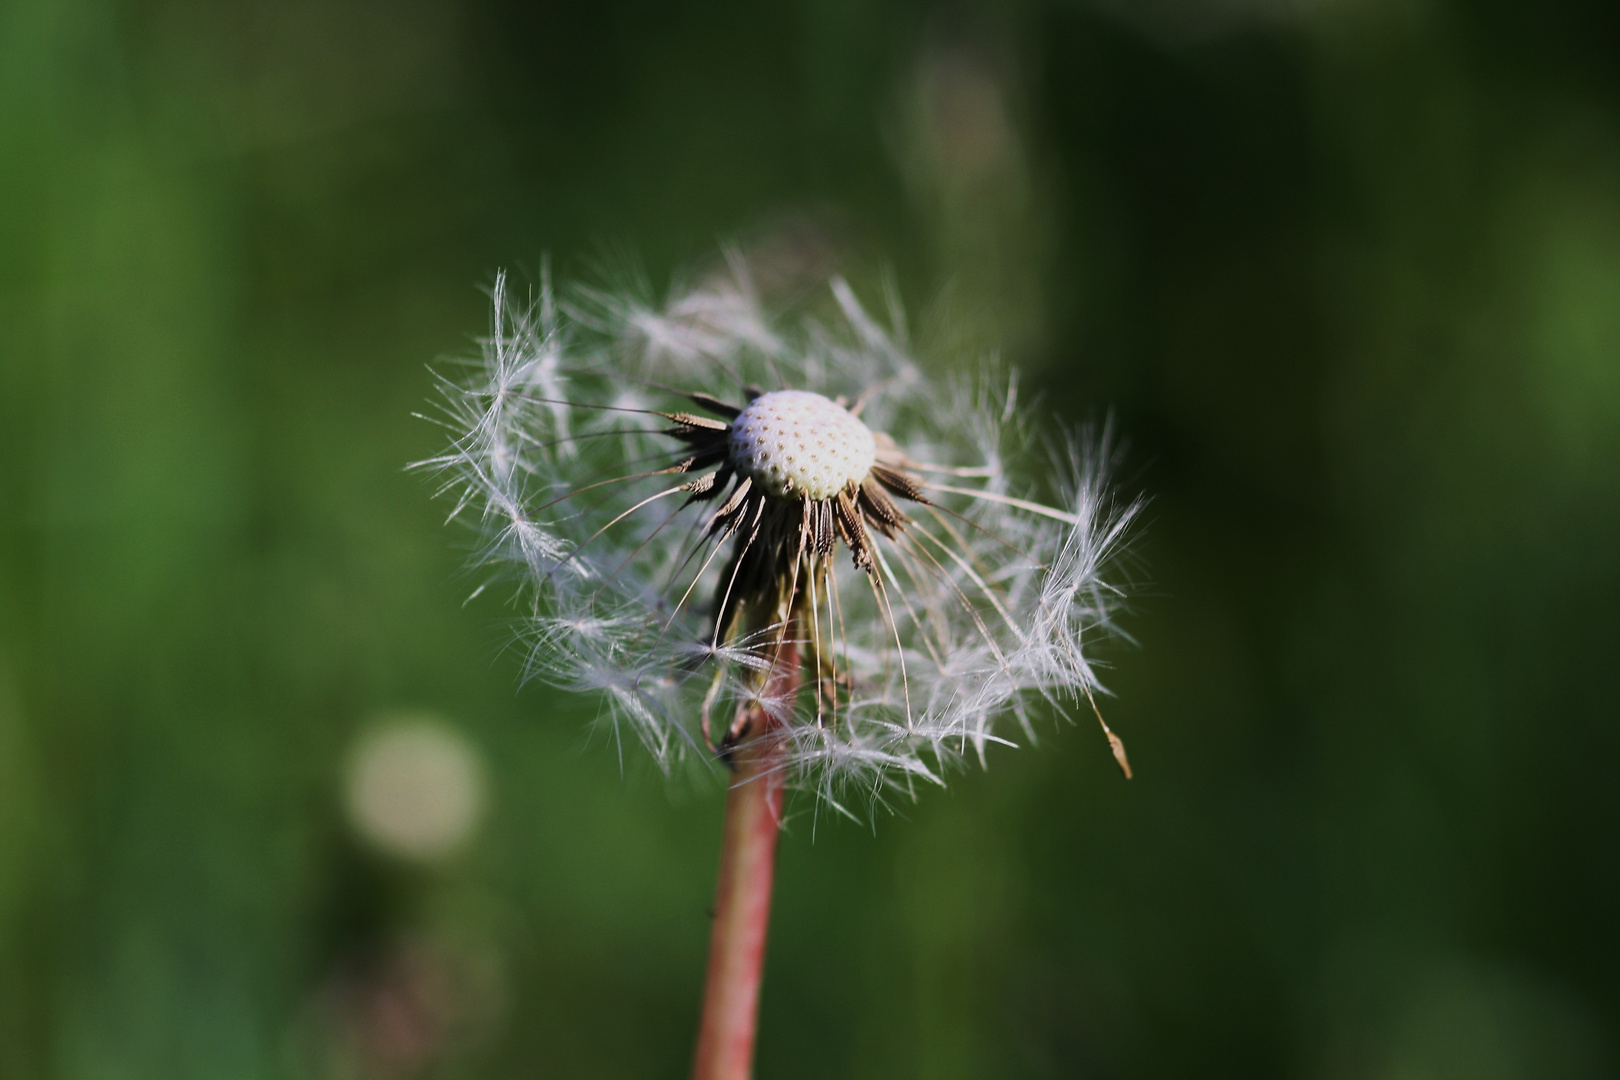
x=1347, y=272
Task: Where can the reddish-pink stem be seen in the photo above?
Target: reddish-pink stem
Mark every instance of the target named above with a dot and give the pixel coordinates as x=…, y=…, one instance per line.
x=742, y=902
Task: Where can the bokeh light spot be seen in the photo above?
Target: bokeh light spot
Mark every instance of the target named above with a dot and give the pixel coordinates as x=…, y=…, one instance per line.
x=415, y=788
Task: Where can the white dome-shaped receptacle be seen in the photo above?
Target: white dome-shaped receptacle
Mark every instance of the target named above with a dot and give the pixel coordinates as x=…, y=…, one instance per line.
x=798, y=444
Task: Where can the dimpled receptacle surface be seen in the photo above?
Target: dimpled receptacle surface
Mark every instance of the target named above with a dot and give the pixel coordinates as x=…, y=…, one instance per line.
x=797, y=444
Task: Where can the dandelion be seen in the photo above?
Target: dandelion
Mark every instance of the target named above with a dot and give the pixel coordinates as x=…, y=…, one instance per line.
x=785, y=552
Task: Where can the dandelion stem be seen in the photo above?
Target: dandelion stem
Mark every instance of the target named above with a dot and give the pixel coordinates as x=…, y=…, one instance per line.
x=742, y=903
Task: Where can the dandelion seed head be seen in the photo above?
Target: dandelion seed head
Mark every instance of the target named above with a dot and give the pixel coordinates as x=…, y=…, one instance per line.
x=681, y=533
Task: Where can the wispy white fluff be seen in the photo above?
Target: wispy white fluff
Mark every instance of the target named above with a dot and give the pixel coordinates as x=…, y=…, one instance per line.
x=990, y=601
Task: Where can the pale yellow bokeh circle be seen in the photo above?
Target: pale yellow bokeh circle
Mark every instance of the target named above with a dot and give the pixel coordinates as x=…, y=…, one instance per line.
x=415, y=787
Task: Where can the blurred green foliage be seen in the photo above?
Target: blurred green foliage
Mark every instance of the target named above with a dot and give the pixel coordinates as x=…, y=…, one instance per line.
x=1347, y=273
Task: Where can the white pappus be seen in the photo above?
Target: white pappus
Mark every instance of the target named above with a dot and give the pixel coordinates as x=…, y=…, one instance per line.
x=694, y=496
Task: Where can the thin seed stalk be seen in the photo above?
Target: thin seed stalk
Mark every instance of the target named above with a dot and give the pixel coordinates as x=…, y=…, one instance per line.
x=742, y=903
